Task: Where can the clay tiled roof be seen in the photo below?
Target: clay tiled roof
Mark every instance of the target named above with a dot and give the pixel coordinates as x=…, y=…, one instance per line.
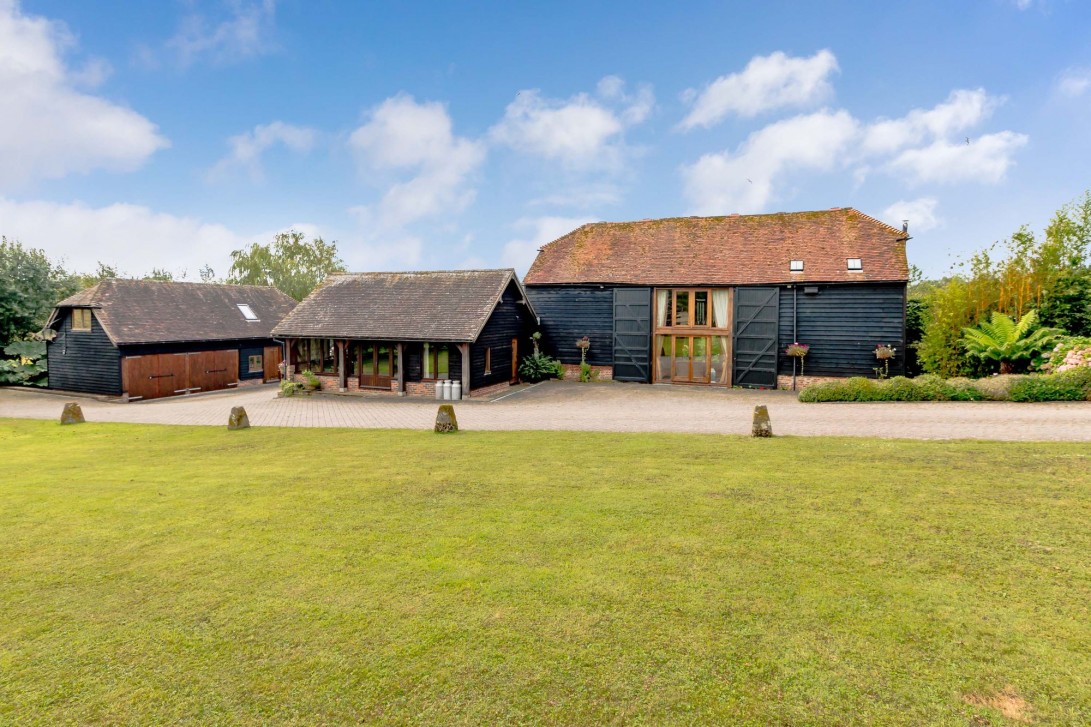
x=733, y=250
x=444, y=306
x=150, y=311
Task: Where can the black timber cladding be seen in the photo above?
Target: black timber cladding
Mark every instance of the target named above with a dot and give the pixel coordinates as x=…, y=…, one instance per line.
x=83, y=360
x=755, y=337
x=842, y=324
x=570, y=312
x=632, y=334
x=509, y=320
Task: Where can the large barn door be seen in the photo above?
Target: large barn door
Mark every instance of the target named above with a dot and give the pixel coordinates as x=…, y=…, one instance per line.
x=632, y=334
x=756, y=318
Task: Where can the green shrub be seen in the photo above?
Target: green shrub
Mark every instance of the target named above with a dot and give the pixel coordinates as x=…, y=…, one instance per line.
x=998, y=388
x=962, y=389
x=288, y=388
x=537, y=367
x=1047, y=388
x=855, y=389
x=1080, y=377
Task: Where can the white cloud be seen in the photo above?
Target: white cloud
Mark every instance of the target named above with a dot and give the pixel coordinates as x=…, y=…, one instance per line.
x=962, y=110
x=48, y=129
x=245, y=33
x=247, y=148
x=583, y=131
x=985, y=159
x=925, y=145
x=520, y=253
x=132, y=237
x=920, y=212
x=403, y=136
x=743, y=181
x=768, y=82
x=1074, y=82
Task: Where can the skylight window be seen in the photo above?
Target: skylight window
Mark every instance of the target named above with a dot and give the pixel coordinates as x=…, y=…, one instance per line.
x=856, y=264
x=796, y=266
x=247, y=312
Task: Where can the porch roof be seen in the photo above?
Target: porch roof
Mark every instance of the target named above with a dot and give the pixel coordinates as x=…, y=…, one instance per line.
x=449, y=306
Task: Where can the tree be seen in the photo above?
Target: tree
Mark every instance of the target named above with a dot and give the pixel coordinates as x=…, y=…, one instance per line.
x=161, y=275
x=1050, y=273
x=291, y=264
x=29, y=287
x=1002, y=339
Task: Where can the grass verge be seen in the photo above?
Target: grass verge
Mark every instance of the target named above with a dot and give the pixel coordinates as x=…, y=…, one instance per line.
x=154, y=574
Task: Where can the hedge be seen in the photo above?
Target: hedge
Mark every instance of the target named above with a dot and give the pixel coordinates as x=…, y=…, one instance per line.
x=1073, y=385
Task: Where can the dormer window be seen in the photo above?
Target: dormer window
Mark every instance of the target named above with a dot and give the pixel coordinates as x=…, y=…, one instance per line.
x=247, y=312
x=856, y=265
x=81, y=319
x=796, y=266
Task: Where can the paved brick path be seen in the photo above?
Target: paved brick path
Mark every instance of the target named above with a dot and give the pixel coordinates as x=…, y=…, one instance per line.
x=592, y=407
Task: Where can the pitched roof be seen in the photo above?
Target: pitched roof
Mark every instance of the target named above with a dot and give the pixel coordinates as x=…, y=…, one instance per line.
x=442, y=306
x=151, y=311
x=732, y=250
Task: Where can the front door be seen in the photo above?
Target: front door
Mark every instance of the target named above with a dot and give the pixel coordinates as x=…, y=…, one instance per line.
x=692, y=362
x=375, y=362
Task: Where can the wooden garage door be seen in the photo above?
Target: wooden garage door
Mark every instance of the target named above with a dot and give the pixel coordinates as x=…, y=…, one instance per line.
x=212, y=370
x=169, y=374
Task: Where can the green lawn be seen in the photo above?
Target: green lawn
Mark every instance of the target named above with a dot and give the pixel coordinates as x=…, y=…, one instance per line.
x=156, y=574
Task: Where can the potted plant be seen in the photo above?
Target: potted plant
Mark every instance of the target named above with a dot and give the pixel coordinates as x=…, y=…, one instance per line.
x=310, y=381
x=798, y=352
x=586, y=373
x=884, y=353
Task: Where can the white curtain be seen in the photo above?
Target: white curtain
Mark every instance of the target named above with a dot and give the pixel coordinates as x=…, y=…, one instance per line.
x=662, y=300
x=427, y=363
x=724, y=369
x=719, y=309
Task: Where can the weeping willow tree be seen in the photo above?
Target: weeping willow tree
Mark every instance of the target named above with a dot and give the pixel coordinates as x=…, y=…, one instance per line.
x=1013, y=277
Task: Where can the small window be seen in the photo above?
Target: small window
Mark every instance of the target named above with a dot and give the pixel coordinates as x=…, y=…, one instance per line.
x=488, y=361
x=81, y=319
x=247, y=312
x=856, y=263
x=796, y=266
x=253, y=364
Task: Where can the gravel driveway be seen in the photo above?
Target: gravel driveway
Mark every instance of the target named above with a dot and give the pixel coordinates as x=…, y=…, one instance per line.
x=610, y=407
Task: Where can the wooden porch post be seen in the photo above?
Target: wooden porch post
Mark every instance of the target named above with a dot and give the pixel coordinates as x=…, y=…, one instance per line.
x=341, y=365
x=400, y=347
x=465, y=349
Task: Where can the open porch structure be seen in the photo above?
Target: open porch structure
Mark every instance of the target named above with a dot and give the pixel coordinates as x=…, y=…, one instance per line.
x=403, y=333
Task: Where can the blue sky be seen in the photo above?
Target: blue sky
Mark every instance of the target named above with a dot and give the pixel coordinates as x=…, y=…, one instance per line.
x=438, y=135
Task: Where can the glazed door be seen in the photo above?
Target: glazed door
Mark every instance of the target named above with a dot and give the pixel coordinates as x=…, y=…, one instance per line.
x=376, y=364
x=691, y=360
x=514, y=360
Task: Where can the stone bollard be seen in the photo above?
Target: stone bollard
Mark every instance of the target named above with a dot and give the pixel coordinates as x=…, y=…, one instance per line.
x=445, y=419
x=238, y=419
x=72, y=414
x=762, y=426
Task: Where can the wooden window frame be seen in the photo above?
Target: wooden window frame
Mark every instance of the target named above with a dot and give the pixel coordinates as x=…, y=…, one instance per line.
x=433, y=359
x=82, y=312
x=250, y=363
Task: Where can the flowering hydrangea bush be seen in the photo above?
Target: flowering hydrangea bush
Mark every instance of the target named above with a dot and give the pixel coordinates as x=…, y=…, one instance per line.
x=1070, y=353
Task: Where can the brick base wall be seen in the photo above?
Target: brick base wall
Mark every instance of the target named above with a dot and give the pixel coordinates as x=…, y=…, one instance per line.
x=486, y=390
x=784, y=381
x=602, y=373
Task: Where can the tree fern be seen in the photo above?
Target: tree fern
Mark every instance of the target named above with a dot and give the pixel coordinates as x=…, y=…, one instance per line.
x=1002, y=339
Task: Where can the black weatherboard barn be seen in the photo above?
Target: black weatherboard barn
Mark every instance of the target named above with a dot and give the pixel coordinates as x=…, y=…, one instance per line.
x=405, y=332
x=150, y=339
x=716, y=300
